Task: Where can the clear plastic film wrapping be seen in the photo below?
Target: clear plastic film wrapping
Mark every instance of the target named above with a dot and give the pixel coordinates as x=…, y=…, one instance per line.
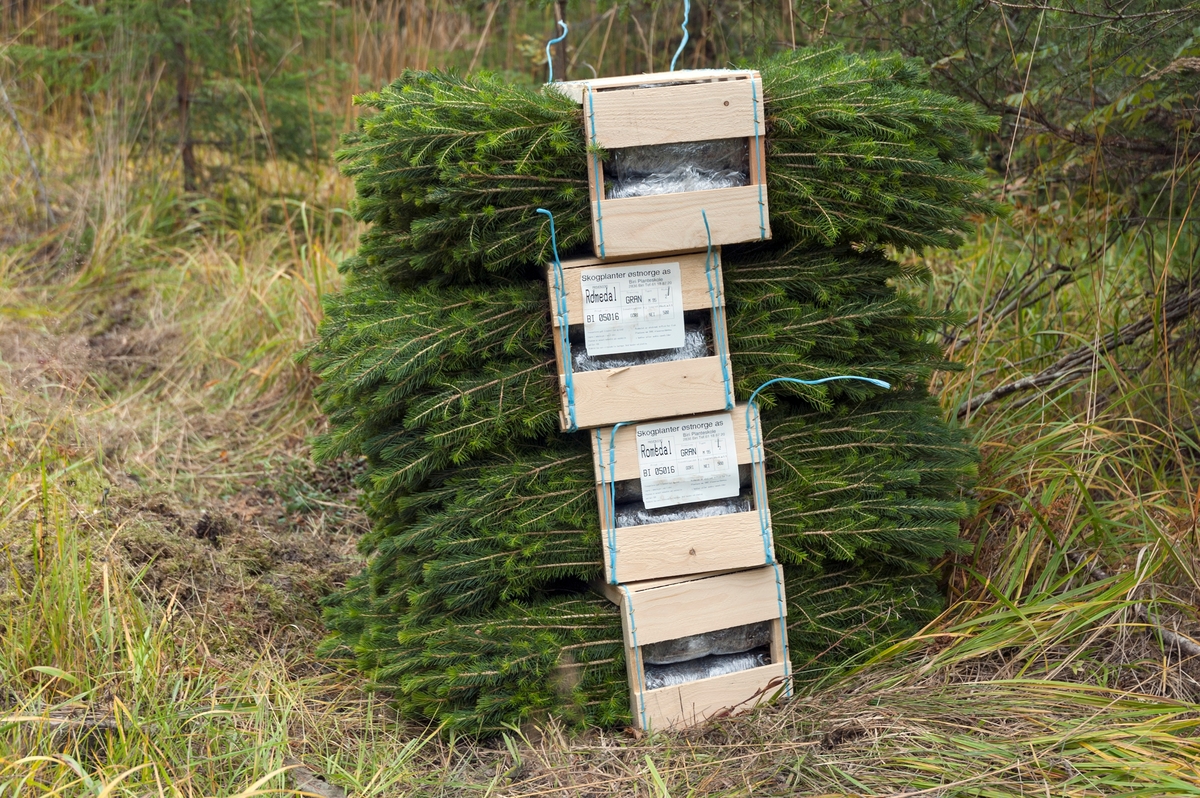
x=636, y=513
x=675, y=168
x=704, y=668
x=734, y=640
x=695, y=344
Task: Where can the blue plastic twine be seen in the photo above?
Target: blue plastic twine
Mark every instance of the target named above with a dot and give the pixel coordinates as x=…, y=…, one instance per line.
x=560, y=295
x=757, y=453
x=549, y=60
x=596, y=171
x=687, y=7
x=783, y=636
x=718, y=312
x=762, y=221
x=610, y=497
x=639, y=666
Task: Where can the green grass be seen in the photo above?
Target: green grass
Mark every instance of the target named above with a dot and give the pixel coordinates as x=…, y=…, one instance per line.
x=166, y=540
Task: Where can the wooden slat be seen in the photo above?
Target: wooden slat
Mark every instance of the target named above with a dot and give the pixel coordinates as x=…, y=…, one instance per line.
x=678, y=548
x=693, y=281
x=625, y=456
x=687, y=704
x=656, y=390
x=641, y=116
x=702, y=605
x=637, y=225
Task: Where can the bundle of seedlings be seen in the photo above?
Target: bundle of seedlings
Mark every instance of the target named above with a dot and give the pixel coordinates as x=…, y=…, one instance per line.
x=437, y=365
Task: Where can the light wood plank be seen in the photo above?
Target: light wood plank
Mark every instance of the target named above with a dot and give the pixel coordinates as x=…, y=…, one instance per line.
x=624, y=456
x=666, y=114
x=679, y=548
x=688, y=704
x=656, y=390
x=637, y=225
x=693, y=607
x=693, y=281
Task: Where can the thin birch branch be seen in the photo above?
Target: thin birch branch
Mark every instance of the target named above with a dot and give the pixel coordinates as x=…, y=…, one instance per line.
x=37, y=175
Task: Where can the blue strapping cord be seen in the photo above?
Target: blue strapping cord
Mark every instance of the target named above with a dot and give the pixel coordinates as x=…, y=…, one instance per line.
x=783, y=633
x=549, y=60
x=758, y=454
x=718, y=312
x=610, y=496
x=762, y=222
x=560, y=294
x=637, y=652
x=598, y=174
x=687, y=7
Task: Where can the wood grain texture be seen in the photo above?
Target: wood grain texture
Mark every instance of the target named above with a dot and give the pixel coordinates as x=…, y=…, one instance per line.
x=681, y=548
x=668, y=222
x=641, y=393
x=646, y=115
x=692, y=607
x=689, y=704
x=622, y=462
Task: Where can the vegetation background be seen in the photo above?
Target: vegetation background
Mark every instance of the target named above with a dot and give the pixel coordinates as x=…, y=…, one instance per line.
x=171, y=215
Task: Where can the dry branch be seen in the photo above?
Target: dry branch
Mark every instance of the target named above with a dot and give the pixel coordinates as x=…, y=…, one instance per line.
x=1173, y=639
x=37, y=175
x=1083, y=360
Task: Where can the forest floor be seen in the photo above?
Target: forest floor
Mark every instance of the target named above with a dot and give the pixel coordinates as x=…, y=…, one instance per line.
x=167, y=539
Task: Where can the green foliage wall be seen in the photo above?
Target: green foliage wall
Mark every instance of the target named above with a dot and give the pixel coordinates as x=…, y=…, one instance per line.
x=437, y=365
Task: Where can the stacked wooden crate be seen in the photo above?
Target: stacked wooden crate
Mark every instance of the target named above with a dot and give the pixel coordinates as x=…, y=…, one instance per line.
x=644, y=365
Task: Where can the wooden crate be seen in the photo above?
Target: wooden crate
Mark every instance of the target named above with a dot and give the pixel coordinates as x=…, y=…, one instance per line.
x=671, y=108
x=689, y=546
x=667, y=609
x=640, y=392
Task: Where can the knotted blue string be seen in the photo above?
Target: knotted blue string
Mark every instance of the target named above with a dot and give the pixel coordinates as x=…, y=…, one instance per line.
x=549, y=60
x=560, y=295
x=758, y=455
x=718, y=313
x=687, y=7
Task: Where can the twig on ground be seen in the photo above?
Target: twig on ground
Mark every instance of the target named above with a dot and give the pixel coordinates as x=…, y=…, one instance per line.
x=37, y=175
x=1172, y=638
x=1083, y=360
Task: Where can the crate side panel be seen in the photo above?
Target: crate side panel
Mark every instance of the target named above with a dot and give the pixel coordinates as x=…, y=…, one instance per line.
x=680, y=548
x=688, y=704
x=664, y=222
x=641, y=116
x=693, y=607
x=655, y=390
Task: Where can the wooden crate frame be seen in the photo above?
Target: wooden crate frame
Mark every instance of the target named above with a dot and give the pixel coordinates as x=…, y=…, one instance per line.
x=672, y=108
x=656, y=390
x=666, y=609
x=691, y=546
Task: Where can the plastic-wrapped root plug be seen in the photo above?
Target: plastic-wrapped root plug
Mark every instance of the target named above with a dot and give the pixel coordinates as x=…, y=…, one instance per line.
x=636, y=513
x=695, y=344
x=704, y=668
x=733, y=640
x=674, y=168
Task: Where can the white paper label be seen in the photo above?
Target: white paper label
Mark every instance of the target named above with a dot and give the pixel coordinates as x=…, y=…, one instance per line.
x=687, y=460
x=632, y=308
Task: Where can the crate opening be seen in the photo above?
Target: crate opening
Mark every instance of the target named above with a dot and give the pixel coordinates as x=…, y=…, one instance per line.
x=702, y=656
x=629, y=510
x=698, y=342
x=676, y=168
